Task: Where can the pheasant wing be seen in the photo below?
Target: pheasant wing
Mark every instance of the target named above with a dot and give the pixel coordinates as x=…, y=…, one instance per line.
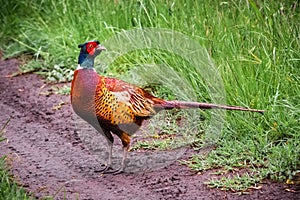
x=136, y=99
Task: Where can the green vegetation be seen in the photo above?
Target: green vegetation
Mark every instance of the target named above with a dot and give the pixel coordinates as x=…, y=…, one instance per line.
x=236, y=183
x=8, y=187
x=254, y=44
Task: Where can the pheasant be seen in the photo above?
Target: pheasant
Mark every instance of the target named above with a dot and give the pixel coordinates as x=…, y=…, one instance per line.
x=114, y=106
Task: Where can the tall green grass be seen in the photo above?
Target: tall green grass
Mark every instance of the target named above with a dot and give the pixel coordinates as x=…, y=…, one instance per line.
x=254, y=44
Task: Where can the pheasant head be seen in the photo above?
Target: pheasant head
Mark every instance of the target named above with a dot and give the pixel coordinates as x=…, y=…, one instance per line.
x=88, y=52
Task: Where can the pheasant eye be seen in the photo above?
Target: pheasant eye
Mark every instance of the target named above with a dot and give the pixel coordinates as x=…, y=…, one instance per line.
x=89, y=48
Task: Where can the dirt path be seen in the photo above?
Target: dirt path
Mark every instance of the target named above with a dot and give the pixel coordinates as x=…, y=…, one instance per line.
x=46, y=154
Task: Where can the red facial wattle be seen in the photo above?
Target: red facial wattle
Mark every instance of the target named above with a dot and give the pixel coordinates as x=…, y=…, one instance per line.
x=90, y=47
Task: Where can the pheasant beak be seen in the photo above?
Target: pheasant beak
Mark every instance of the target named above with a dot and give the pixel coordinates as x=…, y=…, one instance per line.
x=100, y=48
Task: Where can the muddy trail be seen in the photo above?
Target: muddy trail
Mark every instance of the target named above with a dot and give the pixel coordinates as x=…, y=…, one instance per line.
x=48, y=158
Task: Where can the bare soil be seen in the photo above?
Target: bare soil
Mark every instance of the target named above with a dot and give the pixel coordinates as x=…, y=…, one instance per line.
x=47, y=156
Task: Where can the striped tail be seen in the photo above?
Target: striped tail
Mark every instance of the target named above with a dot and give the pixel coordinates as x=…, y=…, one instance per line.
x=189, y=105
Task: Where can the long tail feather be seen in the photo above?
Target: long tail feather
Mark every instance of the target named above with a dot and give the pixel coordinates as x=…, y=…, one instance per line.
x=189, y=105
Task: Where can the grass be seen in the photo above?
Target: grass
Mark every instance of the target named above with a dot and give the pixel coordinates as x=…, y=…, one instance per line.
x=235, y=184
x=254, y=44
x=9, y=189
x=170, y=130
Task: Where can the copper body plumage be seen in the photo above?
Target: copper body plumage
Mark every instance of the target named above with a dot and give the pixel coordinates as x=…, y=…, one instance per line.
x=113, y=106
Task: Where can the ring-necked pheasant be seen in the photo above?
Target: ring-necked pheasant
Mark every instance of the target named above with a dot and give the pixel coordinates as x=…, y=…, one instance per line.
x=114, y=106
